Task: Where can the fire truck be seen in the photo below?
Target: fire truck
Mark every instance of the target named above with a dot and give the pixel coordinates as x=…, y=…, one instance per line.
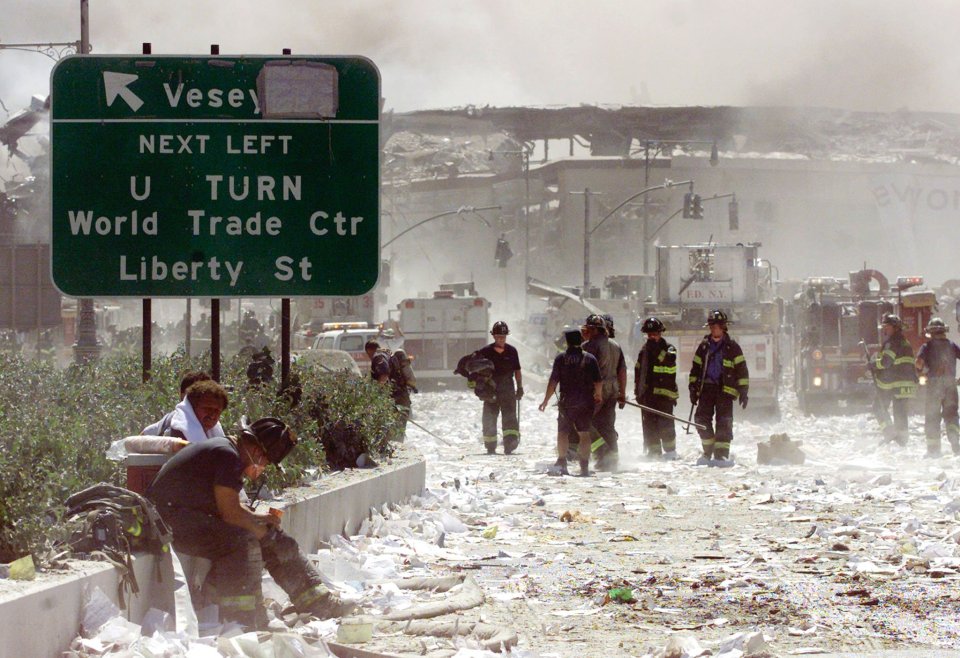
x=440, y=329
x=692, y=280
x=836, y=328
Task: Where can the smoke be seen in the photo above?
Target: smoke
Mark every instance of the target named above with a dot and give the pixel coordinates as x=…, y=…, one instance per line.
x=433, y=53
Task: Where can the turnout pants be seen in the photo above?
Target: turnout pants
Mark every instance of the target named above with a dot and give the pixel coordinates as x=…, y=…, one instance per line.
x=897, y=430
x=604, y=422
x=715, y=412
x=941, y=403
x=233, y=582
x=505, y=406
x=659, y=433
x=237, y=563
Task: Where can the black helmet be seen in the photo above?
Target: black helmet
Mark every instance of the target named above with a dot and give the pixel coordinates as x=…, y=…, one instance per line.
x=573, y=336
x=608, y=324
x=936, y=326
x=272, y=435
x=892, y=320
x=595, y=321
x=500, y=328
x=652, y=325
x=716, y=316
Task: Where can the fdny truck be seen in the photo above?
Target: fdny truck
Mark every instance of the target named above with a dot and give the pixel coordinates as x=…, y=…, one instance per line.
x=836, y=327
x=439, y=330
x=692, y=280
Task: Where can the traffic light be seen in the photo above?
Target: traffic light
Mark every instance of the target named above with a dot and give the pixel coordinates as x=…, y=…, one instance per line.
x=503, y=252
x=697, y=207
x=734, y=212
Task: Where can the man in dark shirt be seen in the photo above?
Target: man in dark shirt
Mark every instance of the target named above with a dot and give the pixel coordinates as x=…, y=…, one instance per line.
x=581, y=393
x=197, y=492
x=506, y=369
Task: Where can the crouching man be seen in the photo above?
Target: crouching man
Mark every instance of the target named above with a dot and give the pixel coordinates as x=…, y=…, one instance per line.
x=197, y=493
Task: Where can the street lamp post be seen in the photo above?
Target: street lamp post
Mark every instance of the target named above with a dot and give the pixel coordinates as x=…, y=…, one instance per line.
x=524, y=155
x=459, y=211
x=587, y=231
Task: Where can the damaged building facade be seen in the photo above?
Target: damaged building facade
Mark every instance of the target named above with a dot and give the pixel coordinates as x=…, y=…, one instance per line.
x=823, y=191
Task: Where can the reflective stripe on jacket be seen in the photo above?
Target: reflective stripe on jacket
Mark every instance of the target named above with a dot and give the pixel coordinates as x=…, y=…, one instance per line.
x=895, y=367
x=736, y=377
x=660, y=378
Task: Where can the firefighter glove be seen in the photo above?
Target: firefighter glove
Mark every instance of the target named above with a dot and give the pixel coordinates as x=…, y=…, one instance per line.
x=743, y=400
x=519, y=392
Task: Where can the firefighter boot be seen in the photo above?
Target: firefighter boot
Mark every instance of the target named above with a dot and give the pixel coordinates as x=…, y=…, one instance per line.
x=490, y=444
x=510, y=443
x=294, y=574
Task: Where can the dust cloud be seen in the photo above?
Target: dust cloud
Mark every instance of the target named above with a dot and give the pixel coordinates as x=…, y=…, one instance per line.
x=848, y=54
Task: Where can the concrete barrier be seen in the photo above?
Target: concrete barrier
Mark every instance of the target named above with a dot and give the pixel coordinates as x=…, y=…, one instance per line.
x=40, y=618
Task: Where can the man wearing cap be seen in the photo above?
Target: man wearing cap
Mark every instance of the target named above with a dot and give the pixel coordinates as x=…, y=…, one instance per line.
x=613, y=370
x=718, y=378
x=937, y=360
x=578, y=375
x=197, y=492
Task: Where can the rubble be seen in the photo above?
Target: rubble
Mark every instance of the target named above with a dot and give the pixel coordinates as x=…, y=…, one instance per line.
x=849, y=551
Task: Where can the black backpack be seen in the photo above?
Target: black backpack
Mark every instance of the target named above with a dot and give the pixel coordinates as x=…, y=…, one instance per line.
x=110, y=518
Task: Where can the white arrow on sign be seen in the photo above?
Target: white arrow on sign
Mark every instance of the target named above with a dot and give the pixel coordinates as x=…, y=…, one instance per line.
x=115, y=85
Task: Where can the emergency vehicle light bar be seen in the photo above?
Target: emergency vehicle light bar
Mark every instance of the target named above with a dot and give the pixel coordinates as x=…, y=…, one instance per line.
x=333, y=326
x=906, y=282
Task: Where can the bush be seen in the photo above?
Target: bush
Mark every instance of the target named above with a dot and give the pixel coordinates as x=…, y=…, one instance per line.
x=55, y=427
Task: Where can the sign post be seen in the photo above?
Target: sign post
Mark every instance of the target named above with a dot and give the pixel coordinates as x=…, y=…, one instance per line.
x=215, y=176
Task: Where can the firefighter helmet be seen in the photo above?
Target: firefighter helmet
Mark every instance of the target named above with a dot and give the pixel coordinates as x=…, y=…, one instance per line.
x=275, y=439
x=572, y=336
x=892, y=320
x=652, y=325
x=500, y=328
x=936, y=326
x=716, y=316
x=595, y=321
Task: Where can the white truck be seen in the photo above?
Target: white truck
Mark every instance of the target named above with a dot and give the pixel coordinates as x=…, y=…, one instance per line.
x=438, y=330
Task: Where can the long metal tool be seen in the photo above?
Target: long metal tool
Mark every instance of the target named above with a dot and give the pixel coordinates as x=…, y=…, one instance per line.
x=439, y=438
x=666, y=415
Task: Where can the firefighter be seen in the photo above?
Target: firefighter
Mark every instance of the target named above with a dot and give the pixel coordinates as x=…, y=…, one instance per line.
x=937, y=359
x=581, y=392
x=655, y=386
x=613, y=369
x=896, y=379
x=197, y=493
x=718, y=377
x=393, y=370
x=506, y=370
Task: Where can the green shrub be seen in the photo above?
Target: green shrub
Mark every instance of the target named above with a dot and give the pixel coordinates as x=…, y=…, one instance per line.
x=55, y=427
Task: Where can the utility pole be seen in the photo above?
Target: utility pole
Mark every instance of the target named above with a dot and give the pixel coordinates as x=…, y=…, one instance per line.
x=586, y=239
x=86, y=348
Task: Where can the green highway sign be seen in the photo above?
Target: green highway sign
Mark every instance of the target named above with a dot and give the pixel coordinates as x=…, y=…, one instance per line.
x=215, y=176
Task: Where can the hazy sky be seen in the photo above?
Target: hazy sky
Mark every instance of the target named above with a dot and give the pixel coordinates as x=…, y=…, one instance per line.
x=857, y=54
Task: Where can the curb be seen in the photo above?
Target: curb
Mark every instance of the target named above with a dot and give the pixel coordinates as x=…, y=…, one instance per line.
x=41, y=618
